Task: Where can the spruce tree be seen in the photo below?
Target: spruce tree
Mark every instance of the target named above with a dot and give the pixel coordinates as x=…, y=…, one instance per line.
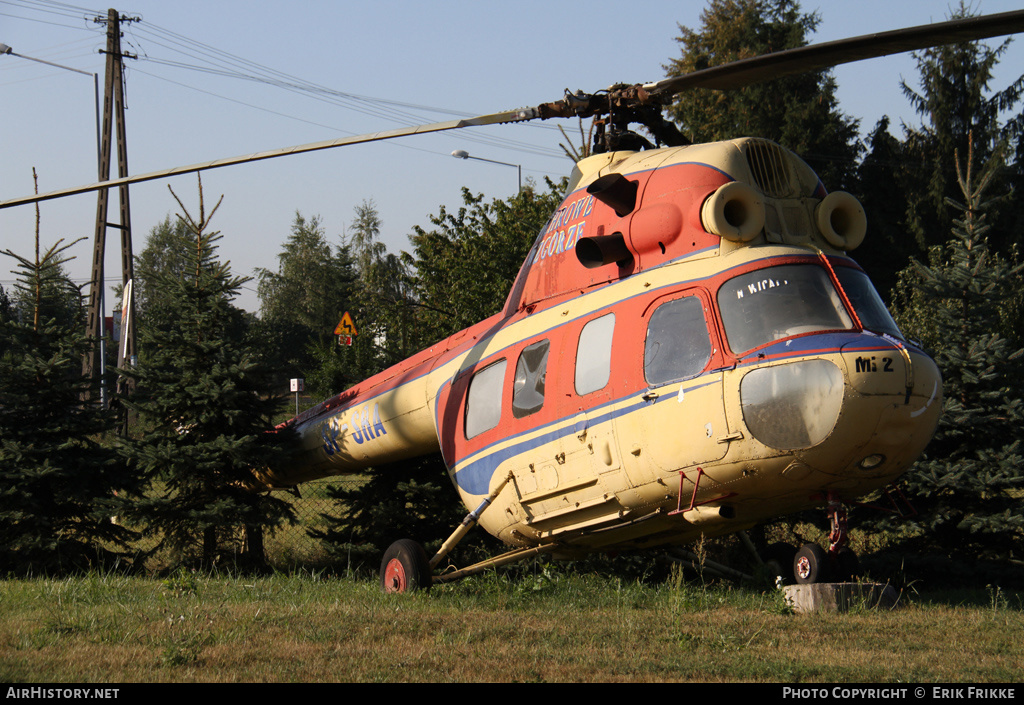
x=958, y=107
x=967, y=486
x=904, y=183
x=204, y=410
x=167, y=247
x=408, y=499
x=58, y=475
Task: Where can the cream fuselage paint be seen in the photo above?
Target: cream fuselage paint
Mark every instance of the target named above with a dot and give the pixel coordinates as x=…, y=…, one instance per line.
x=760, y=431
x=625, y=464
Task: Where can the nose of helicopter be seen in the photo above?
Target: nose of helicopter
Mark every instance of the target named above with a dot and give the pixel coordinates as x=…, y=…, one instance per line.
x=891, y=406
x=864, y=413
x=905, y=386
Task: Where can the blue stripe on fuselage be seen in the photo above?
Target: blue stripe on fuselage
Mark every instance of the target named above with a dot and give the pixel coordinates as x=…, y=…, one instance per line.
x=473, y=473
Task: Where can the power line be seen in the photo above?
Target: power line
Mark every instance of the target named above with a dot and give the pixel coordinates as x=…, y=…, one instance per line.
x=208, y=59
x=54, y=9
x=228, y=65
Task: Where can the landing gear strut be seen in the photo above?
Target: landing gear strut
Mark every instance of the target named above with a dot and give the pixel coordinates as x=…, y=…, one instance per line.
x=405, y=567
x=813, y=564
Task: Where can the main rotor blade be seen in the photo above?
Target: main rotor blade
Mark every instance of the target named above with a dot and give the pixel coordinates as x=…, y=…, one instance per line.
x=520, y=115
x=816, y=57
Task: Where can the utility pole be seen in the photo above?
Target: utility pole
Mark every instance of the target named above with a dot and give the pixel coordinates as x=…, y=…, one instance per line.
x=113, y=112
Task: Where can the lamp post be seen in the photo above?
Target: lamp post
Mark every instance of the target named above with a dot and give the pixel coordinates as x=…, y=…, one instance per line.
x=463, y=154
x=5, y=49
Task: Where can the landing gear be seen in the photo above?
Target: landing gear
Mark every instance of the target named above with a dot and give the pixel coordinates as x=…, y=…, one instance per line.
x=405, y=568
x=812, y=564
x=845, y=566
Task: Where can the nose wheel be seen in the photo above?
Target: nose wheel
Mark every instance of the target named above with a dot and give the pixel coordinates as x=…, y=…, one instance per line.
x=811, y=565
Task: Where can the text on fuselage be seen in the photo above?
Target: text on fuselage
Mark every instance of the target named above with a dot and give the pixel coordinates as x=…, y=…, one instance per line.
x=565, y=228
x=363, y=426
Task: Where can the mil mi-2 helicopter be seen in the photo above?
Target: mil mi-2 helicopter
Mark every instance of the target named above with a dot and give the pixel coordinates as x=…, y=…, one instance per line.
x=688, y=349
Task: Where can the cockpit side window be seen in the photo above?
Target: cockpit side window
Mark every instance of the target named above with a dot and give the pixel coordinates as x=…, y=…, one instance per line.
x=866, y=302
x=678, y=345
x=483, y=401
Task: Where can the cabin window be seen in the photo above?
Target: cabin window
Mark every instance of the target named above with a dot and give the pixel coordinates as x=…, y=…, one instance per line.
x=483, y=401
x=594, y=355
x=777, y=302
x=678, y=344
x=528, y=386
x=866, y=302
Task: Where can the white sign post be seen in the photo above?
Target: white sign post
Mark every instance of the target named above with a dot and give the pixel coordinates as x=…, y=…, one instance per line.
x=298, y=385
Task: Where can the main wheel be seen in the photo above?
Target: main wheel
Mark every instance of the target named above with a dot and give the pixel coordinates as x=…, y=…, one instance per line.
x=405, y=568
x=811, y=565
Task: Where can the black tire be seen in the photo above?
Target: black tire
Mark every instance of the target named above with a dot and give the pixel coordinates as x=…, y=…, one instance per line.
x=812, y=565
x=778, y=560
x=405, y=568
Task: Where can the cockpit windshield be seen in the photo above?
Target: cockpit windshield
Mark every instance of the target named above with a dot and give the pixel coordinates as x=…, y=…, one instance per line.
x=777, y=302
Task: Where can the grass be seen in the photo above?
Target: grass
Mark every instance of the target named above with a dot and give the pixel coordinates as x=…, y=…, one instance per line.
x=548, y=626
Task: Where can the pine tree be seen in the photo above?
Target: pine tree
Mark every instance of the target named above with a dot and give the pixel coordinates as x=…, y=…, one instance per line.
x=205, y=409
x=58, y=478
x=967, y=487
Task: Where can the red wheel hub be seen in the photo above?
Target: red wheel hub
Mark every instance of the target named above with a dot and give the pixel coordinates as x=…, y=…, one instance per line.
x=395, y=579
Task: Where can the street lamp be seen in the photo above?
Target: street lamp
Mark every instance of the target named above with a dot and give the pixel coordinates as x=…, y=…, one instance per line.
x=463, y=154
x=5, y=49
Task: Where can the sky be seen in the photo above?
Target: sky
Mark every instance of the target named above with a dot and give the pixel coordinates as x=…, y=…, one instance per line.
x=219, y=78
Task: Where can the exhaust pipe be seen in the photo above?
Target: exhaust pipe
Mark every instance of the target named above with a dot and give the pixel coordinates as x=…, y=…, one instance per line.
x=597, y=251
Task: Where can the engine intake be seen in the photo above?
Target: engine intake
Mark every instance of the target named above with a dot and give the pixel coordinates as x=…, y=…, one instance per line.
x=841, y=220
x=734, y=211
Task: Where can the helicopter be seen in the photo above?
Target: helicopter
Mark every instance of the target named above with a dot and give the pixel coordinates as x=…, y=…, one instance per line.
x=688, y=350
